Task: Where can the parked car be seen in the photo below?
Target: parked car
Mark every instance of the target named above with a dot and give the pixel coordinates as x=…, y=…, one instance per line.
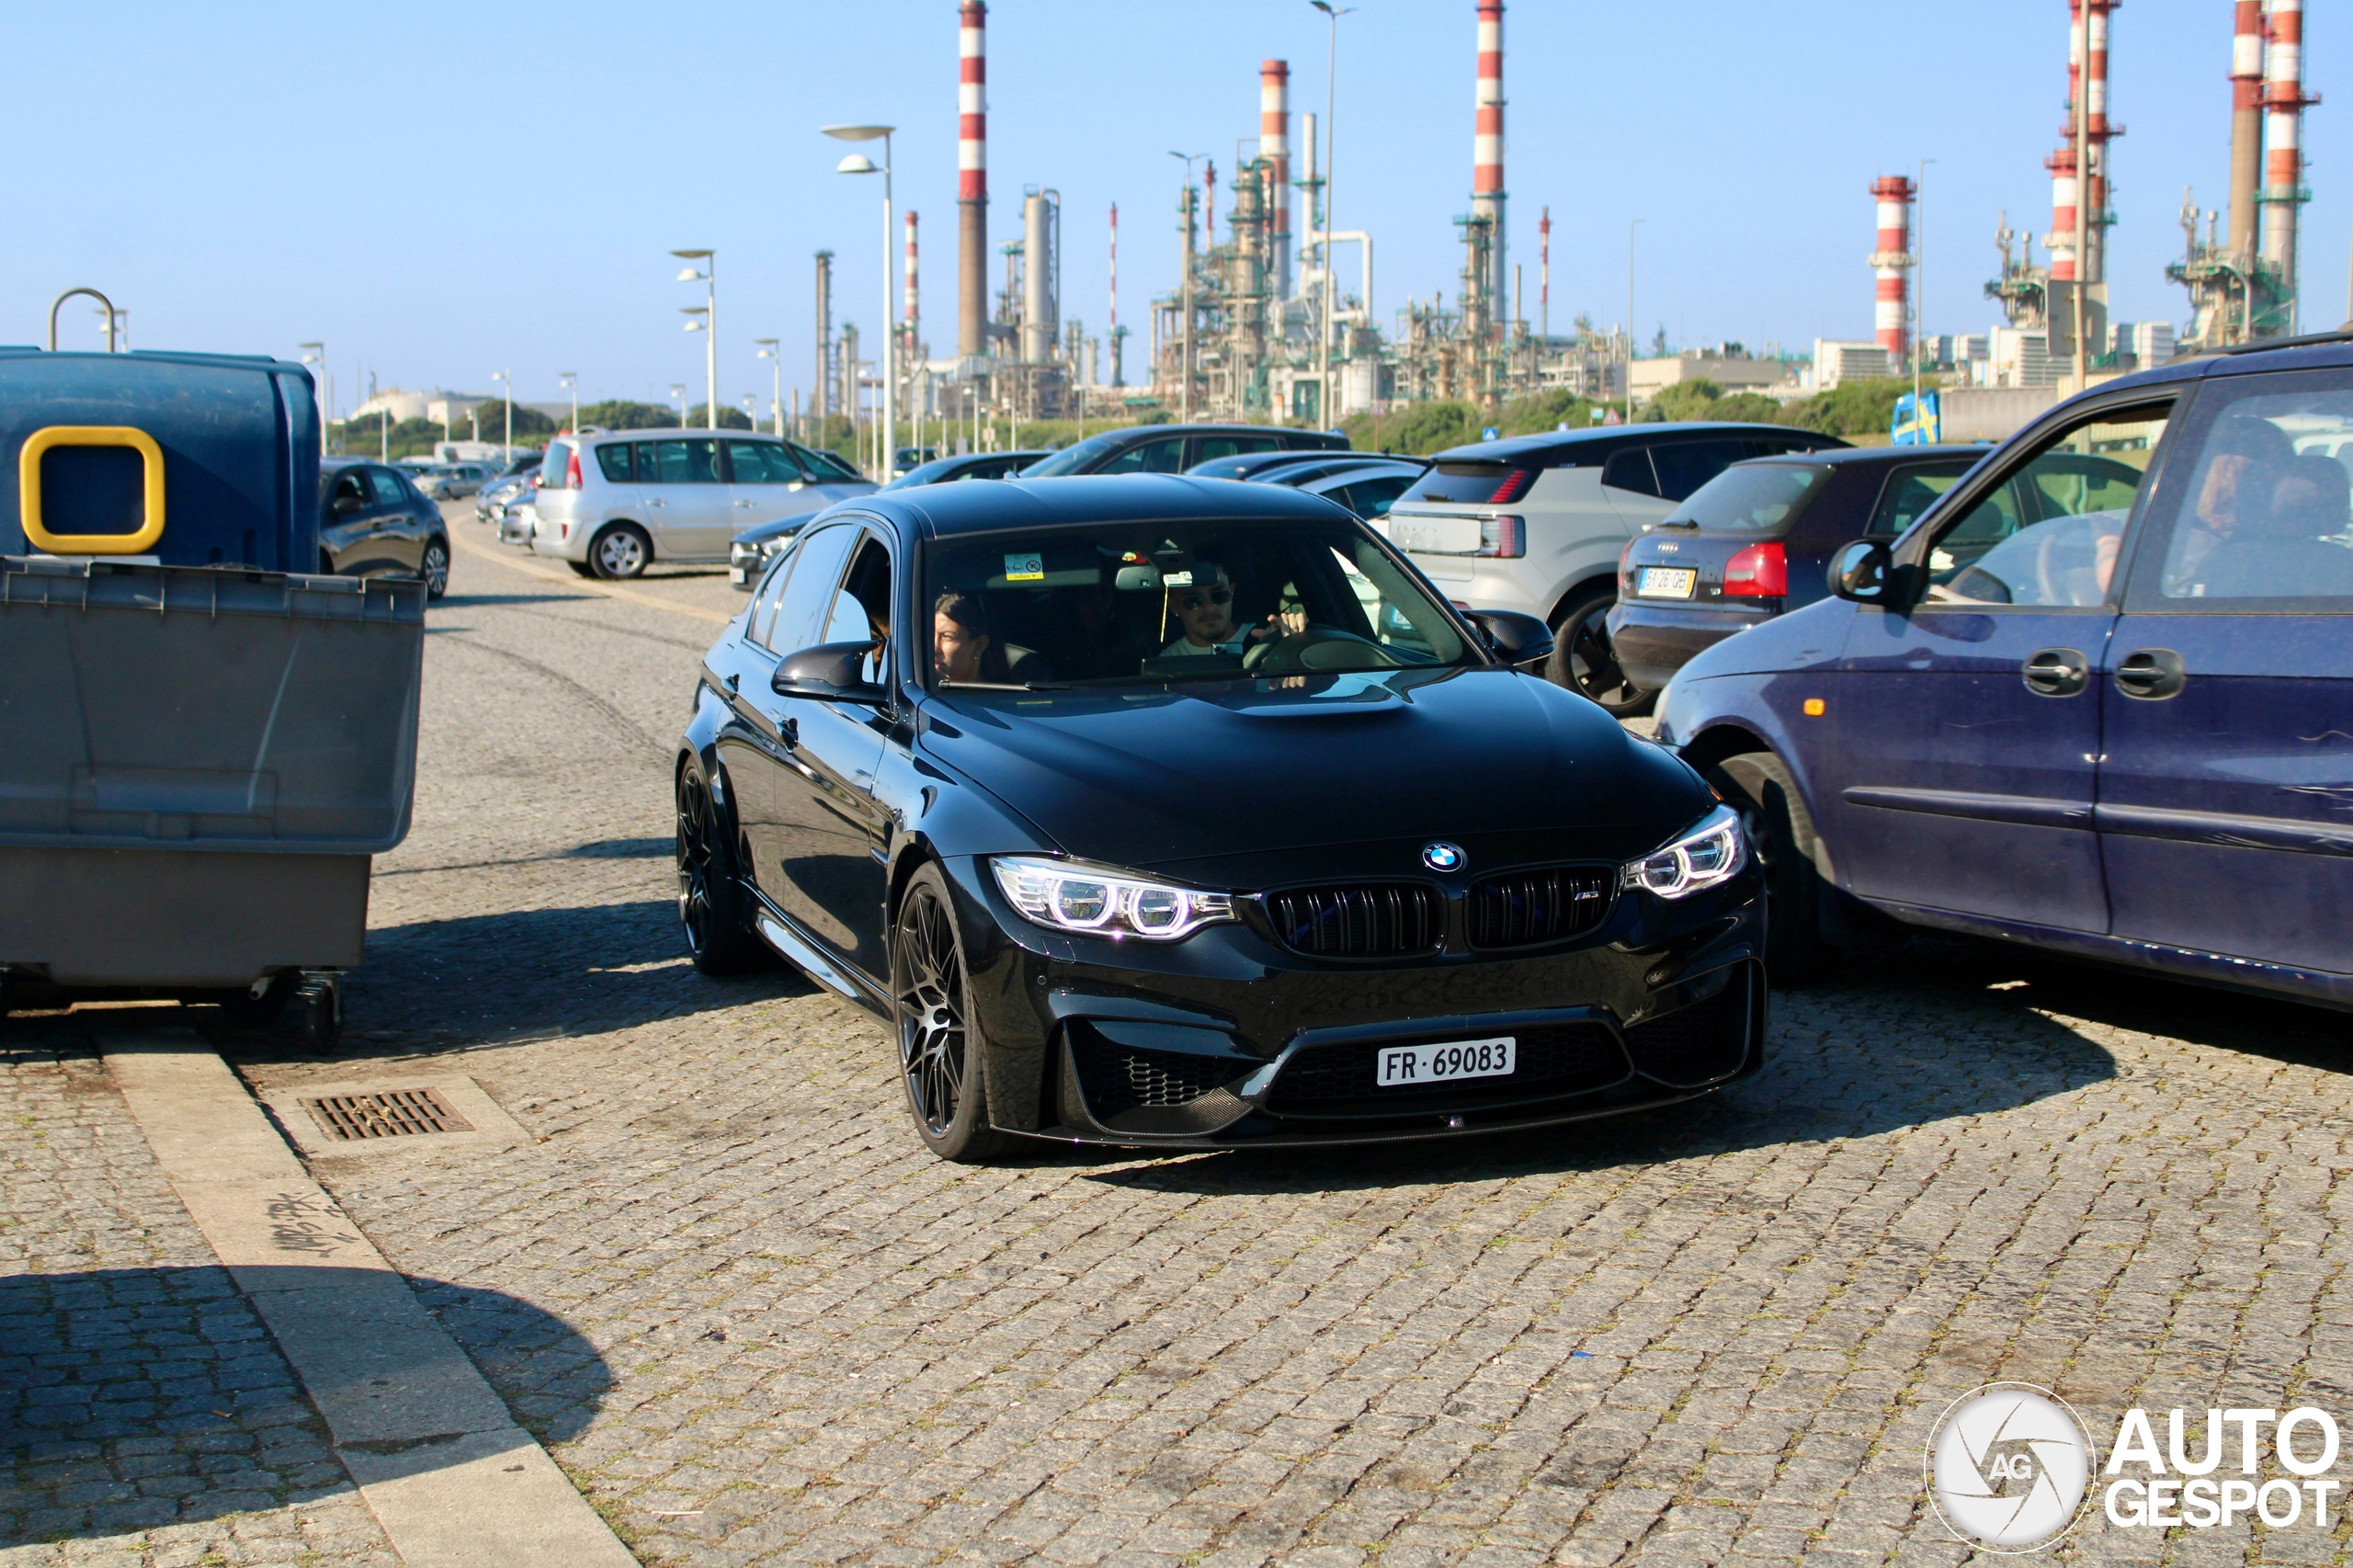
x=1755, y=541
x=612, y=502
x=492, y=500
x=1368, y=485
x=1105, y=857
x=373, y=522
x=454, y=481
x=754, y=548
x=1537, y=523
x=1173, y=449
x=1260, y=465
x=970, y=465
x=2097, y=699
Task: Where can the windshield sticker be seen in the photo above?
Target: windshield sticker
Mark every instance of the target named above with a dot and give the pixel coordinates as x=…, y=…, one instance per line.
x=1024, y=568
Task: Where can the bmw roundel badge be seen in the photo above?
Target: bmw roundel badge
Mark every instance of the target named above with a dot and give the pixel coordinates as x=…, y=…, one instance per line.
x=1440, y=856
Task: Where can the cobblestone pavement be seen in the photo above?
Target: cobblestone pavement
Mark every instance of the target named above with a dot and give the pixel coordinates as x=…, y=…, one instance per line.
x=1714, y=1335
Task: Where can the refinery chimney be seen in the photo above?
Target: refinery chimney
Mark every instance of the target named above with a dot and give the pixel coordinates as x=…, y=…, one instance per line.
x=2247, y=123
x=1487, y=153
x=2086, y=75
x=1041, y=273
x=1893, y=260
x=2283, y=114
x=1274, y=145
x=821, y=390
x=971, y=179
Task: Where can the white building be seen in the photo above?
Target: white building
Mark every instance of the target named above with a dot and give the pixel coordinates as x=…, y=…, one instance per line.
x=2149, y=342
x=2018, y=358
x=1732, y=374
x=1839, y=359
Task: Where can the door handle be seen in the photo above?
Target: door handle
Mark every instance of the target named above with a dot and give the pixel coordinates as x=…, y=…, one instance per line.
x=2151, y=673
x=747, y=503
x=658, y=501
x=2056, y=672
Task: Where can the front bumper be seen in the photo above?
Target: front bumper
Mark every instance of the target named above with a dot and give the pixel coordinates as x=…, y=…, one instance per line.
x=1653, y=640
x=1230, y=1039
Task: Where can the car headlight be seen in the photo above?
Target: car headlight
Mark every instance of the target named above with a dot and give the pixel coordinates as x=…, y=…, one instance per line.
x=1069, y=896
x=1713, y=852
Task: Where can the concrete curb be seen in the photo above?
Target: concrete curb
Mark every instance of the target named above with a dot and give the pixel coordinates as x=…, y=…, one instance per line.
x=451, y=1478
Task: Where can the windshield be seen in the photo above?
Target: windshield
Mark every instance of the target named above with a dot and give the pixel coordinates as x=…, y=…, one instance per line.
x=1145, y=604
x=1077, y=457
x=824, y=467
x=1753, y=498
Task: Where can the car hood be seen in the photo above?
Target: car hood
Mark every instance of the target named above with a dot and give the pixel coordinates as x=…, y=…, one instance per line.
x=1214, y=771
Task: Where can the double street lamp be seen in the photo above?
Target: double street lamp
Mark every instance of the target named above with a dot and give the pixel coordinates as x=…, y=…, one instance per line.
x=859, y=163
x=708, y=326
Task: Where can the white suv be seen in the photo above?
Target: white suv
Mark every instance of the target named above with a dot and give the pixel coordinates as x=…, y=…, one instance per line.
x=1537, y=524
x=612, y=503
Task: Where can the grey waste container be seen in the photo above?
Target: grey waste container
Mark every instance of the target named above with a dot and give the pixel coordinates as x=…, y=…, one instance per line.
x=196, y=764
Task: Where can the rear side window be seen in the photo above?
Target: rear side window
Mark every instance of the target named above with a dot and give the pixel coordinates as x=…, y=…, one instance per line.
x=1912, y=491
x=613, y=461
x=1630, y=470
x=1684, y=466
x=692, y=461
x=1235, y=446
x=390, y=490
x=558, y=467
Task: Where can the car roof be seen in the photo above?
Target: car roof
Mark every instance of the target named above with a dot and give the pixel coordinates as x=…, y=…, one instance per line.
x=595, y=436
x=1567, y=448
x=1853, y=457
x=1332, y=465
x=946, y=510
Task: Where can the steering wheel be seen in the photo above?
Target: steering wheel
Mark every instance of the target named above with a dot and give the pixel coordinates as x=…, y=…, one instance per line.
x=1317, y=648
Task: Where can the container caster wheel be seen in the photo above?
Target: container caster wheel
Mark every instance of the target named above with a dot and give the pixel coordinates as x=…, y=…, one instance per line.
x=322, y=996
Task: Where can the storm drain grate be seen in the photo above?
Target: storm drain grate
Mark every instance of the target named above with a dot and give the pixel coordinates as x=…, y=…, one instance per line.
x=395, y=1113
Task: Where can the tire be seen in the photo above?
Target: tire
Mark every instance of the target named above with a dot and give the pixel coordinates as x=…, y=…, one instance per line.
x=939, y=1040
x=713, y=908
x=581, y=568
x=1781, y=836
x=435, y=568
x=322, y=1019
x=1582, y=660
x=620, y=550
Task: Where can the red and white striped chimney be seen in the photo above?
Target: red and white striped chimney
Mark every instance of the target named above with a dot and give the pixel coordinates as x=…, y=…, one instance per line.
x=2283, y=156
x=2096, y=130
x=2246, y=123
x=2060, y=241
x=1892, y=261
x=1487, y=151
x=913, y=317
x=971, y=177
x=1274, y=144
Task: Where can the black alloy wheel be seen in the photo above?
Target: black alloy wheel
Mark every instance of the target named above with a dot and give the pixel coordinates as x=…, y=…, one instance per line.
x=711, y=902
x=435, y=568
x=1582, y=661
x=939, y=1054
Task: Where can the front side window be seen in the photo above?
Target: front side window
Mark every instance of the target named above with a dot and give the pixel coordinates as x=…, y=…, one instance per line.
x=1136, y=604
x=1910, y=492
x=613, y=461
x=1234, y=446
x=2259, y=519
x=761, y=462
x=347, y=487
x=2051, y=532
x=692, y=461
x=807, y=597
x=824, y=468
x=390, y=490
x=1075, y=458
x=1762, y=498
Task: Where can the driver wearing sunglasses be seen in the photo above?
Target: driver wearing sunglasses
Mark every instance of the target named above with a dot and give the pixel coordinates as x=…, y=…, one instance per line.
x=1204, y=608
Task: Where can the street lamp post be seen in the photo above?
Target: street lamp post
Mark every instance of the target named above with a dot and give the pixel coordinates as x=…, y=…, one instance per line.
x=1919, y=297
x=1331, y=99
x=859, y=163
x=772, y=351
x=710, y=313
x=1631, y=224
x=570, y=381
x=507, y=402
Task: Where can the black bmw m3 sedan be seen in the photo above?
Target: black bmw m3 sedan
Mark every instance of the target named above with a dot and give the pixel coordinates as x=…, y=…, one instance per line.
x=1156, y=812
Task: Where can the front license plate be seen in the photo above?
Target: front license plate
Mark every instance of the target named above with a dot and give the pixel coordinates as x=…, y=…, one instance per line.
x=739, y=575
x=1666, y=582
x=1438, y=1063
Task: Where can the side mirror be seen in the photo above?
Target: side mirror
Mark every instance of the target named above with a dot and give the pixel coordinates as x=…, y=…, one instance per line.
x=1860, y=572
x=346, y=502
x=830, y=671
x=1520, y=640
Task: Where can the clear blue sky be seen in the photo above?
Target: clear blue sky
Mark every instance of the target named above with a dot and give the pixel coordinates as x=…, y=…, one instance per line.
x=440, y=191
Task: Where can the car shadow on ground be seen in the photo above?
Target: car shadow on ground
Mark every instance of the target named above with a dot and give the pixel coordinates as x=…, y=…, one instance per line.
x=533, y=973
x=135, y=1398
x=1935, y=1030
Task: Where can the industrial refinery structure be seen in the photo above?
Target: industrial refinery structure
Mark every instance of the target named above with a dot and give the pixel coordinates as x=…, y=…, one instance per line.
x=1268, y=322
